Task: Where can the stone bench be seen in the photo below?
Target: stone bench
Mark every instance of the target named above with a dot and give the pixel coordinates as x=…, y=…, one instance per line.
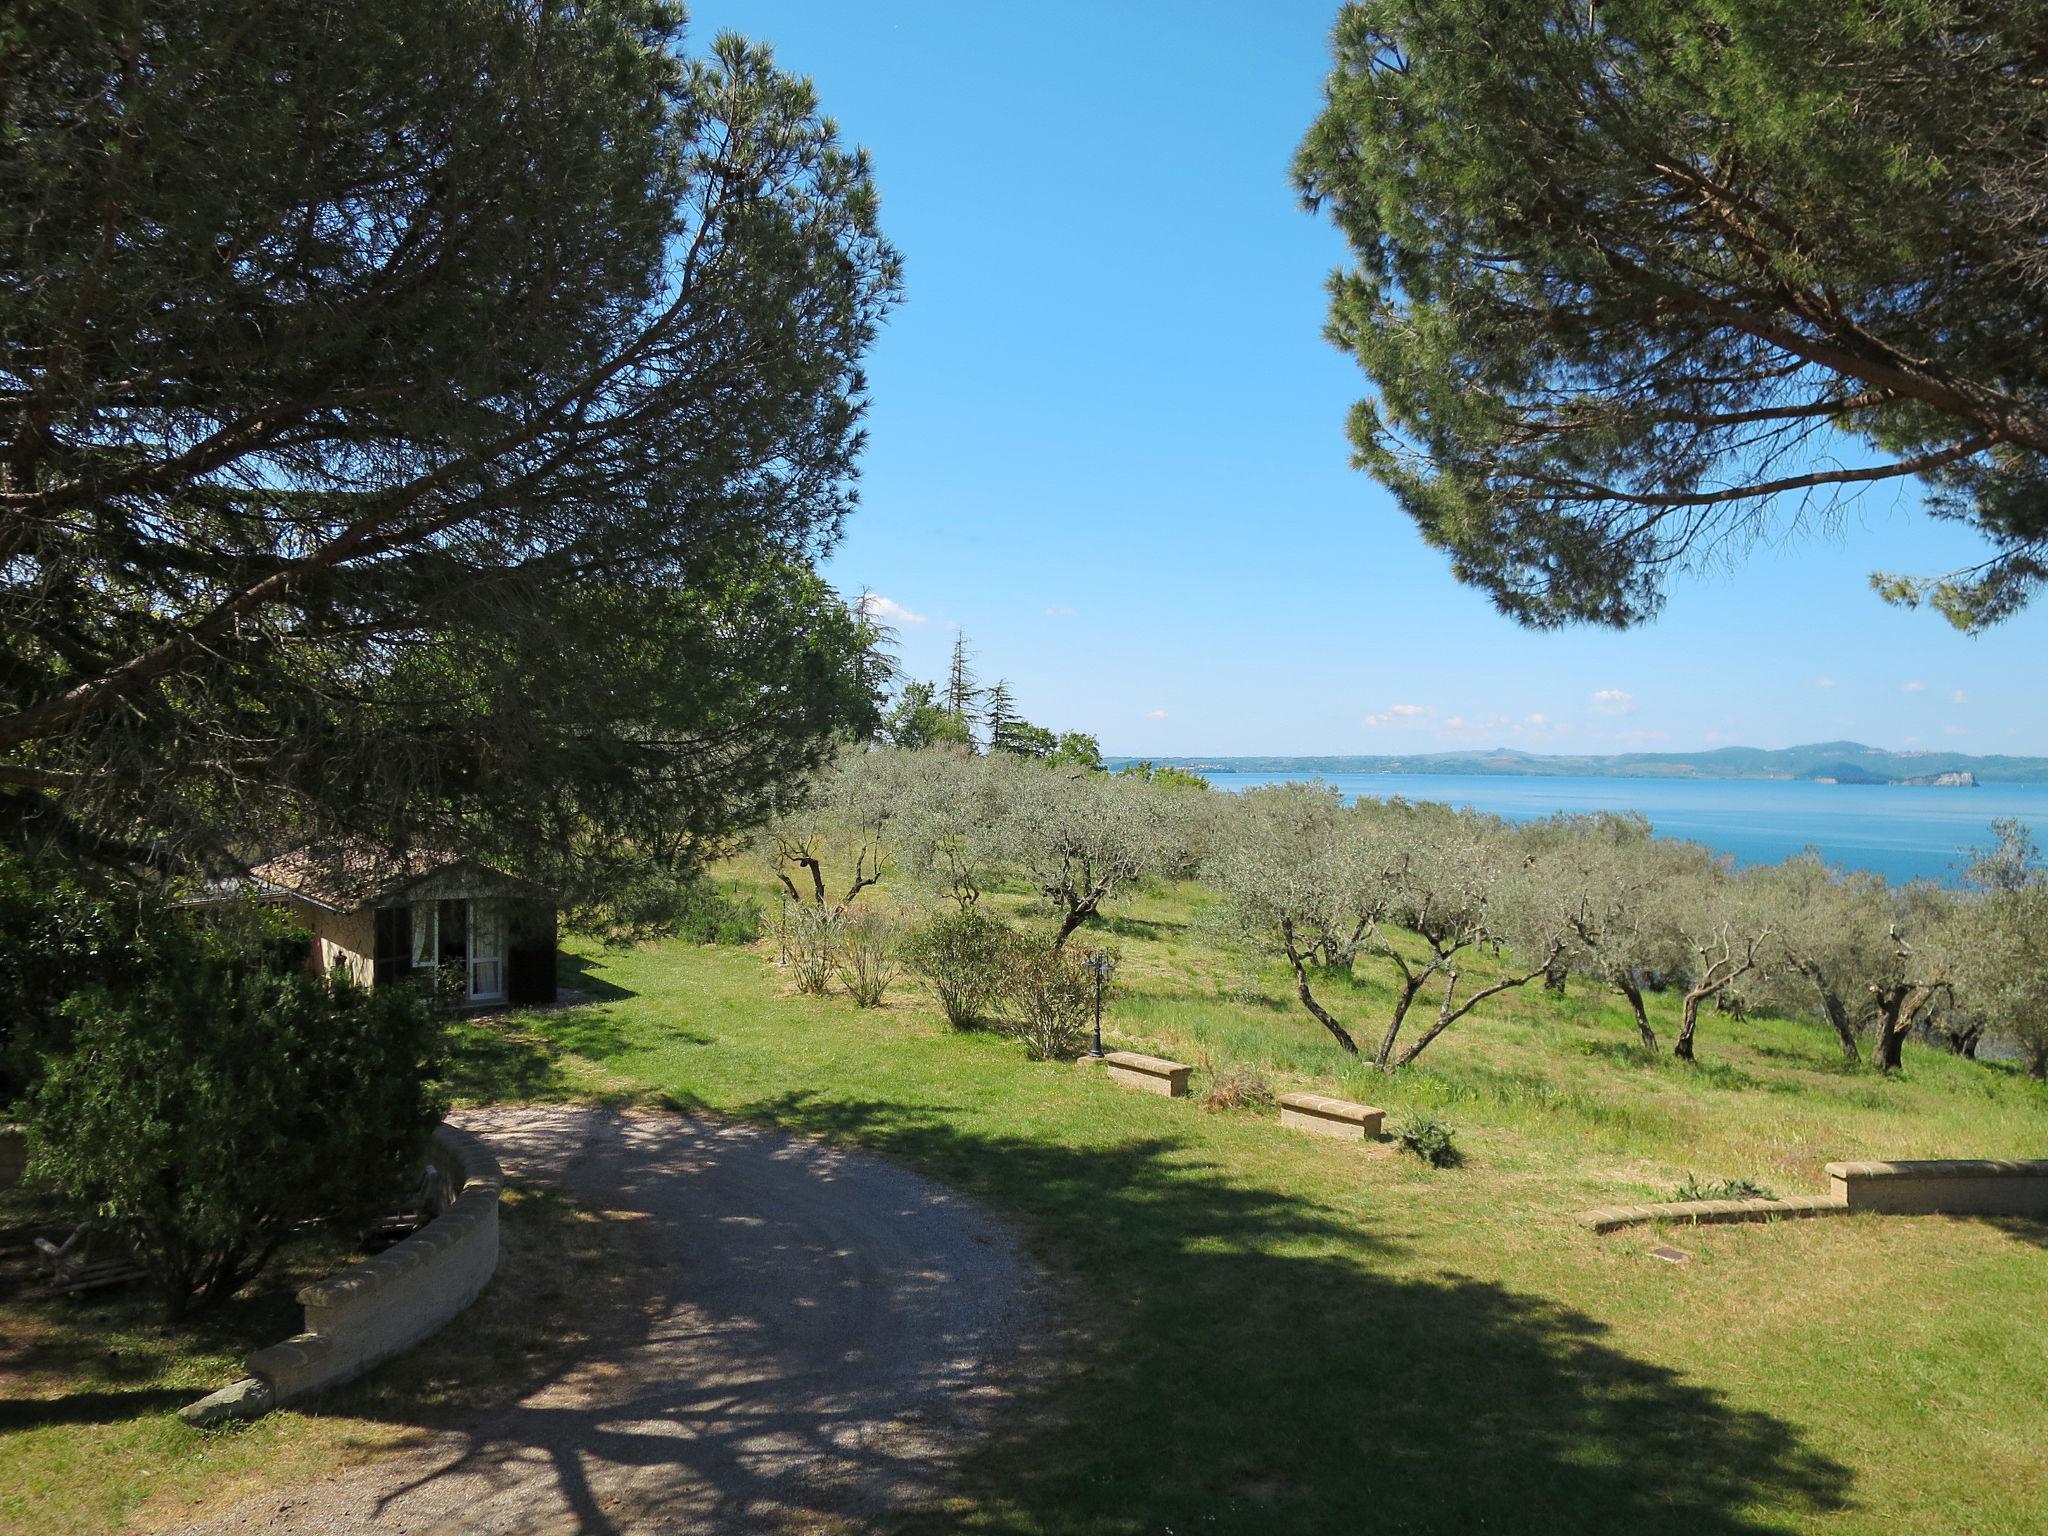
x=1958, y=1186
x=1153, y=1074
x=1323, y=1116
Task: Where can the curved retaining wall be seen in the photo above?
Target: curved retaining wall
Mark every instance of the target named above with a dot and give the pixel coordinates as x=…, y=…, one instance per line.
x=383, y=1305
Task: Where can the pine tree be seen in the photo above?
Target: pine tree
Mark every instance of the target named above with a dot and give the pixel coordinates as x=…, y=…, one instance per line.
x=963, y=689
x=999, y=714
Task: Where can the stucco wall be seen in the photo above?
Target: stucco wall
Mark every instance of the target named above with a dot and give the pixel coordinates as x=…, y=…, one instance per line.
x=385, y=1305
x=339, y=938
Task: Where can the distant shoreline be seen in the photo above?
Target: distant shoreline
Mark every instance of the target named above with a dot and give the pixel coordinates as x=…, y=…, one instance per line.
x=1843, y=763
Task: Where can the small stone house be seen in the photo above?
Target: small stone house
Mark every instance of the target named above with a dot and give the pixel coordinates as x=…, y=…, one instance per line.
x=389, y=917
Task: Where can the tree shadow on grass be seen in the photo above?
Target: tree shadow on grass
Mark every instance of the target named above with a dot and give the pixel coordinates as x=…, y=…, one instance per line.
x=1214, y=1355
x=581, y=974
x=519, y=1058
x=1244, y=1362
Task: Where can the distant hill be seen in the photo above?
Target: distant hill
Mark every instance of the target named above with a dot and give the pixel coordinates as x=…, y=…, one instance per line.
x=1844, y=762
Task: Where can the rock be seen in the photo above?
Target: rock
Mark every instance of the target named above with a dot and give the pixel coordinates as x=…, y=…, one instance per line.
x=249, y=1398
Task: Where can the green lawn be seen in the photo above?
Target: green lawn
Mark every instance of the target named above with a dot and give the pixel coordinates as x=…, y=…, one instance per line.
x=1258, y=1331
x=1268, y=1332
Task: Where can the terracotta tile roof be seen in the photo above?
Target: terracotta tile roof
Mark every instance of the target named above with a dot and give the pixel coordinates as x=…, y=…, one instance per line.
x=346, y=875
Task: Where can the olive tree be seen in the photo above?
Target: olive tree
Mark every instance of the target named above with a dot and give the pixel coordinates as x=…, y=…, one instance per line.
x=1915, y=968
x=1457, y=882
x=846, y=822
x=1721, y=927
x=1597, y=877
x=1831, y=932
x=949, y=822
x=1288, y=863
x=2001, y=965
x=1081, y=838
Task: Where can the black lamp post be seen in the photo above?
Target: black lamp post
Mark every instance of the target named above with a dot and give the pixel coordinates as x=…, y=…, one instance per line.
x=1104, y=968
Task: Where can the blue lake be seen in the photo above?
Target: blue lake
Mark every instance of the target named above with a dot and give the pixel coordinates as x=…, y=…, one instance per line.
x=1902, y=832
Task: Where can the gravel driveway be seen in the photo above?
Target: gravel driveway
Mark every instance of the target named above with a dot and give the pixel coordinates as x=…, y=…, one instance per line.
x=818, y=1328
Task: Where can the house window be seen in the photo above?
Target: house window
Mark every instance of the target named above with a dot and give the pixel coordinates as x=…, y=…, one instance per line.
x=466, y=937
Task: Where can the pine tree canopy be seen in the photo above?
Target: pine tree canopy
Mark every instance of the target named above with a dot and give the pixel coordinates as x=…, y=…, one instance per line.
x=1640, y=283
x=418, y=417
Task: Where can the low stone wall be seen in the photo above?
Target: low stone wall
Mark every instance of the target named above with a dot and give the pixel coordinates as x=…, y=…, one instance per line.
x=13, y=1155
x=1957, y=1186
x=1711, y=1213
x=383, y=1305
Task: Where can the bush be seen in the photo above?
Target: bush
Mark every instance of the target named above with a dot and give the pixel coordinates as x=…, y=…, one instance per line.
x=1727, y=1189
x=1053, y=993
x=1429, y=1140
x=1235, y=1086
x=807, y=937
x=966, y=957
x=865, y=952
x=709, y=914
x=212, y=1109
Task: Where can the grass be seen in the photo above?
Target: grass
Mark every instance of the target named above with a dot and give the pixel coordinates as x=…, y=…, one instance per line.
x=1268, y=1332
x=89, y=1440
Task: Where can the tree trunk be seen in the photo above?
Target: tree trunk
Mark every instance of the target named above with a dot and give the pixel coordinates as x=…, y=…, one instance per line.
x=1308, y=999
x=1838, y=1016
x=1076, y=916
x=1410, y=985
x=1688, y=1021
x=1887, y=1051
x=1625, y=984
x=1554, y=978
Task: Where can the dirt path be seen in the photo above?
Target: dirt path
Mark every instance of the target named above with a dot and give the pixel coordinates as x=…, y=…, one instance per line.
x=818, y=1328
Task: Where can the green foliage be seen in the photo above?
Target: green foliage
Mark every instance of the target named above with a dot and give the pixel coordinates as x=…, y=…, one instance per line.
x=1053, y=994
x=865, y=955
x=373, y=390
x=715, y=914
x=1429, y=1140
x=966, y=957
x=1079, y=750
x=915, y=721
x=1696, y=1188
x=808, y=937
x=212, y=1109
x=1164, y=776
x=1616, y=264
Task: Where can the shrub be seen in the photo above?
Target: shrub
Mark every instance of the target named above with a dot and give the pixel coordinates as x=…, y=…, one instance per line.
x=1053, y=993
x=212, y=1109
x=865, y=955
x=808, y=939
x=1235, y=1086
x=709, y=914
x=1429, y=1140
x=966, y=957
x=1727, y=1189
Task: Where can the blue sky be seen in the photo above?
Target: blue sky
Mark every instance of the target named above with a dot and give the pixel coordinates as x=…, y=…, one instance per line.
x=1107, y=435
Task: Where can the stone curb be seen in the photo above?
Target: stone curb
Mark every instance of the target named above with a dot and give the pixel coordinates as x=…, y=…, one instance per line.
x=1712, y=1212
x=380, y=1306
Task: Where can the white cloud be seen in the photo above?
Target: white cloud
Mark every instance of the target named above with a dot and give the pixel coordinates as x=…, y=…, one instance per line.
x=1155, y=714
x=888, y=608
x=1059, y=611
x=1914, y=688
x=1397, y=714
x=1820, y=682
x=1614, y=701
x=1960, y=697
